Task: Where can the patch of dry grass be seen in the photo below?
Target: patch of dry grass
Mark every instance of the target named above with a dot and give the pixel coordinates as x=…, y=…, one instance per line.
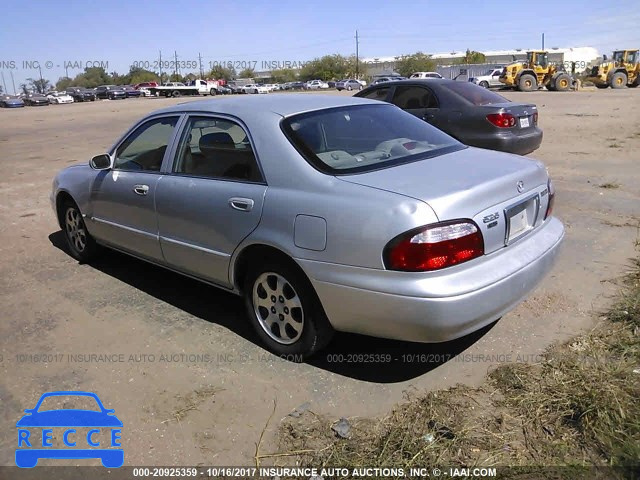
x=578, y=407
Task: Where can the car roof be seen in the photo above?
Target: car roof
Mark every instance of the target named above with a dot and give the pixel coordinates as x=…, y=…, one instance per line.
x=279, y=104
x=424, y=81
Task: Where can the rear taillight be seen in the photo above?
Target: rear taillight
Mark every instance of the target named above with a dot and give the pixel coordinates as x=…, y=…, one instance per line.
x=502, y=120
x=434, y=247
x=552, y=198
x=535, y=118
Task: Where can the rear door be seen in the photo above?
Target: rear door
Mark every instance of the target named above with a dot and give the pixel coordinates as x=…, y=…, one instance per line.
x=212, y=198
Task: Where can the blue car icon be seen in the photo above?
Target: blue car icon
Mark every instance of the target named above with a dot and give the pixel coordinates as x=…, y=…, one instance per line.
x=29, y=452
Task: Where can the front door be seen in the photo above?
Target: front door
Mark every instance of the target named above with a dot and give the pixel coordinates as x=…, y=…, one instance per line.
x=421, y=102
x=211, y=200
x=123, y=198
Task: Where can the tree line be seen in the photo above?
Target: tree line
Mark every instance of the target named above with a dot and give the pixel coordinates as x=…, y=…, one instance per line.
x=328, y=67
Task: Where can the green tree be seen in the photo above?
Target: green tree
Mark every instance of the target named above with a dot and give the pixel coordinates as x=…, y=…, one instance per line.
x=327, y=68
x=416, y=62
x=219, y=72
x=63, y=83
x=189, y=77
x=471, y=56
x=139, y=75
x=39, y=85
x=247, y=73
x=283, y=75
x=93, y=77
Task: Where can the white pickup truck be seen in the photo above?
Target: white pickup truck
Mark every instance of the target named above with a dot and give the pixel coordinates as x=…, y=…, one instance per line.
x=491, y=78
x=195, y=87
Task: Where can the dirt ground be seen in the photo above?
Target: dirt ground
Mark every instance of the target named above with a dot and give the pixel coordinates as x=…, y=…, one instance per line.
x=176, y=359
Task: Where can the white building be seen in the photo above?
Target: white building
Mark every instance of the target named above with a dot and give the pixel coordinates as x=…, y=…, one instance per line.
x=582, y=56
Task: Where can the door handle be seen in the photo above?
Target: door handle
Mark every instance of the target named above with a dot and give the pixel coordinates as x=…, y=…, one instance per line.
x=242, y=204
x=141, y=189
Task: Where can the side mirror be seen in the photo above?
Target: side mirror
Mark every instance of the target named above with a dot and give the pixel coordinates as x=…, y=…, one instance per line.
x=101, y=162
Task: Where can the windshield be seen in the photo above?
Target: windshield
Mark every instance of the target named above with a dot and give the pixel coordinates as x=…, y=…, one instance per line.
x=360, y=138
x=69, y=402
x=618, y=56
x=474, y=94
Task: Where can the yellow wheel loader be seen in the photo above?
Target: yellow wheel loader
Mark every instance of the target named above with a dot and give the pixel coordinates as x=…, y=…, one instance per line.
x=622, y=71
x=534, y=72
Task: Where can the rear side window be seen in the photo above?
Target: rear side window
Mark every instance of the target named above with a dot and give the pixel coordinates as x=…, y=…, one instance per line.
x=474, y=94
x=412, y=97
x=216, y=148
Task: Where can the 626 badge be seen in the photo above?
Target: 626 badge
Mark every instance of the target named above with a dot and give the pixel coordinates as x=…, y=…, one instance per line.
x=88, y=432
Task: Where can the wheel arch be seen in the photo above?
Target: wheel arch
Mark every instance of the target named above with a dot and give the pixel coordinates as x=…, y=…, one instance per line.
x=526, y=71
x=61, y=197
x=240, y=266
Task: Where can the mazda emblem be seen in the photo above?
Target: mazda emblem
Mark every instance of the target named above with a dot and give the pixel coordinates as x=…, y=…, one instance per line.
x=520, y=186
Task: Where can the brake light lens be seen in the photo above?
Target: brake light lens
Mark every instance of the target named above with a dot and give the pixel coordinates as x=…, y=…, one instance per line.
x=552, y=198
x=434, y=247
x=502, y=120
x=535, y=118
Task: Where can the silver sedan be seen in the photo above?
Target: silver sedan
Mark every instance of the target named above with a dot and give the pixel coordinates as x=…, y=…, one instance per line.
x=325, y=213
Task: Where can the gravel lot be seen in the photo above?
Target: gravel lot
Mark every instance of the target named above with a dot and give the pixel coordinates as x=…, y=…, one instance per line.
x=180, y=365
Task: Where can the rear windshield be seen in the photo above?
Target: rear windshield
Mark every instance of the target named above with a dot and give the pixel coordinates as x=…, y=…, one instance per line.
x=361, y=138
x=474, y=94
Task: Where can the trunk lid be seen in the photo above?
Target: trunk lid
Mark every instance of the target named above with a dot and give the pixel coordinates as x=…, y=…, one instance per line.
x=470, y=183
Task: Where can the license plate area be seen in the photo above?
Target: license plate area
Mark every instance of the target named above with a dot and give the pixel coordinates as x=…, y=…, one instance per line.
x=521, y=218
x=524, y=122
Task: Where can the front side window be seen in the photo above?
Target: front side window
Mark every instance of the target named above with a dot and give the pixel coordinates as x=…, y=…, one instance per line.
x=411, y=98
x=364, y=137
x=216, y=148
x=144, y=148
x=377, y=94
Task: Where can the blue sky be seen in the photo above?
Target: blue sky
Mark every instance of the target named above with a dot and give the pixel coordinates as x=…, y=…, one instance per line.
x=120, y=32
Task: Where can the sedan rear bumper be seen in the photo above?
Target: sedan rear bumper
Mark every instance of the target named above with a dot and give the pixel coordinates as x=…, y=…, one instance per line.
x=436, y=306
x=508, y=141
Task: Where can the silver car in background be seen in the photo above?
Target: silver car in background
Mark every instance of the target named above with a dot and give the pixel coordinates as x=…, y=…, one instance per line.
x=326, y=213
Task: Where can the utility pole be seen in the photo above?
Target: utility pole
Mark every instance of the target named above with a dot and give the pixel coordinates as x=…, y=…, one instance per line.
x=160, y=52
x=543, y=41
x=175, y=55
x=41, y=81
x=357, y=55
x=12, y=82
x=200, y=60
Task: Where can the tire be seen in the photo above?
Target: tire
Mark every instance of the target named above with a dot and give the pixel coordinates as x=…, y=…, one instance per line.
x=276, y=287
x=79, y=241
x=527, y=83
x=562, y=83
x=360, y=87
x=213, y=92
x=349, y=88
x=175, y=93
x=618, y=80
x=484, y=84
x=601, y=86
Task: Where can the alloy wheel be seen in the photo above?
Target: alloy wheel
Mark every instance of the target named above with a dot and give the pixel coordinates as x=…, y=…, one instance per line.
x=278, y=308
x=75, y=229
